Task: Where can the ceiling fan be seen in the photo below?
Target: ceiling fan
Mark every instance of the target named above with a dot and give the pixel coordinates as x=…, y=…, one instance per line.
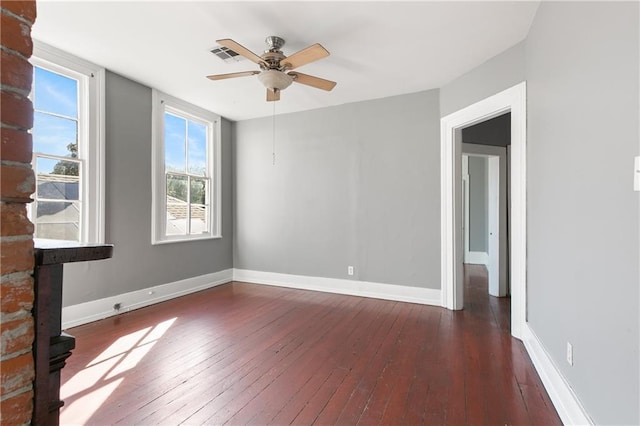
x=275, y=68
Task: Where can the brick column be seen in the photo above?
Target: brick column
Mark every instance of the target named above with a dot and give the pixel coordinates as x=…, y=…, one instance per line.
x=16, y=231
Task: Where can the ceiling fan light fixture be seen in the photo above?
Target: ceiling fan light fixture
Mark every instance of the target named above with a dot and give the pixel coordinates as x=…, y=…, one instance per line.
x=275, y=80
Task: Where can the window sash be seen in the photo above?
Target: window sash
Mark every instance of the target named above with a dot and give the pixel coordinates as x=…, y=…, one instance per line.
x=90, y=134
x=188, y=202
x=82, y=147
x=165, y=104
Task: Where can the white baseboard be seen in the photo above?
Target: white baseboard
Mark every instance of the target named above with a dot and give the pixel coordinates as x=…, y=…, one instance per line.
x=564, y=400
x=425, y=296
x=94, y=310
x=83, y=313
x=477, y=258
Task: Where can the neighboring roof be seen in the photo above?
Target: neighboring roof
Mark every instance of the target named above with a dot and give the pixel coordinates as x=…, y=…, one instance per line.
x=177, y=209
x=58, y=187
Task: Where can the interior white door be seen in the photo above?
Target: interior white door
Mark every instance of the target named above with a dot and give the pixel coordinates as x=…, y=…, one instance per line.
x=493, y=225
x=497, y=213
x=465, y=205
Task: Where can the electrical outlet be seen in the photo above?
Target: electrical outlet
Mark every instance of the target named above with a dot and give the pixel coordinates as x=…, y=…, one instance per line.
x=350, y=270
x=570, y=353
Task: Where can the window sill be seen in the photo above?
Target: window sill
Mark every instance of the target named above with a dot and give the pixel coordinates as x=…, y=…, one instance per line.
x=186, y=239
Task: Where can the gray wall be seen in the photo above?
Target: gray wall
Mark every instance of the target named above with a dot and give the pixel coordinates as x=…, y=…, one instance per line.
x=357, y=184
x=583, y=218
x=478, y=204
x=498, y=73
x=136, y=264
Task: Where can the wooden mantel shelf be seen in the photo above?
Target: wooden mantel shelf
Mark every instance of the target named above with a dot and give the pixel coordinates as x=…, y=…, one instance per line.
x=52, y=347
x=51, y=252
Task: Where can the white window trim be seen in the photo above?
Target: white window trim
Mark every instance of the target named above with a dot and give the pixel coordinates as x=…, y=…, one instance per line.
x=92, y=226
x=161, y=101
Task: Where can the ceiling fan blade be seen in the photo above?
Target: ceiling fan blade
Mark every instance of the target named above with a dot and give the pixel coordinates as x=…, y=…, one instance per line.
x=305, y=56
x=309, y=80
x=232, y=75
x=241, y=50
x=273, y=95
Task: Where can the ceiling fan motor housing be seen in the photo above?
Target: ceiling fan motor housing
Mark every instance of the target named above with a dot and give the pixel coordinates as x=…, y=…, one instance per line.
x=273, y=55
x=274, y=42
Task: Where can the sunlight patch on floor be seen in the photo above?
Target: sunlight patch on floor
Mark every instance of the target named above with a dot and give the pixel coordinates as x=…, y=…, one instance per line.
x=90, y=388
x=120, y=346
x=81, y=410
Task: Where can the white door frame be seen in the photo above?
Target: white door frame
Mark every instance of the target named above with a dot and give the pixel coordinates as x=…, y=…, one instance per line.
x=511, y=100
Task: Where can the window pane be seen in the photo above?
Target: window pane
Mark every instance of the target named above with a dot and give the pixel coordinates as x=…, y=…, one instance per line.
x=199, y=219
x=177, y=188
x=58, y=180
x=198, y=191
x=197, y=148
x=174, y=142
x=55, y=93
x=55, y=135
x=199, y=206
x=176, y=205
x=58, y=220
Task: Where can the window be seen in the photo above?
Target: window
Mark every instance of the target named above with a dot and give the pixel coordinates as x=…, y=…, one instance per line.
x=186, y=171
x=68, y=152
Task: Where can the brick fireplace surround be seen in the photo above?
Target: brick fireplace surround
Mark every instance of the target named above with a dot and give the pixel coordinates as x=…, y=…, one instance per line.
x=16, y=231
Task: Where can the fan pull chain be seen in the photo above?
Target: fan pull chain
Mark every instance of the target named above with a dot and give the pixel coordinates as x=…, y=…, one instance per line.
x=273, y=126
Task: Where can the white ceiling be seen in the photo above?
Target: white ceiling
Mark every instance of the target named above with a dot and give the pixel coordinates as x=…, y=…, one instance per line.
x=378, y=49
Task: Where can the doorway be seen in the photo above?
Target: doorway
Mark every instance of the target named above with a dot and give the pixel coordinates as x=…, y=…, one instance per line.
x=484, y=202
x=512, y=100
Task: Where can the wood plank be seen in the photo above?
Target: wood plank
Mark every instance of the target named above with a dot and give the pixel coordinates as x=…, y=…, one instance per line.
x=334, y=407
x=357, y=401
x=247, y=403
x=399, y=369
x=304, y=381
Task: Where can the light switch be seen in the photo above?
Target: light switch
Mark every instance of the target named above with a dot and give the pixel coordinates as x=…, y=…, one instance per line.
x=636, y=174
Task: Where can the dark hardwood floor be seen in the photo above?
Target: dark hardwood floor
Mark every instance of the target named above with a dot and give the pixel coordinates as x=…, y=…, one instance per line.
x=250, y=354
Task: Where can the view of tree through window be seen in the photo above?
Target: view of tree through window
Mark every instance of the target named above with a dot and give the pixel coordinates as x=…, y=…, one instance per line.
x=56, y=211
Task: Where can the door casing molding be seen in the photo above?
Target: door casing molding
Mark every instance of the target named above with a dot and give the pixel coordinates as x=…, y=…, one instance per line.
x=452, y=249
